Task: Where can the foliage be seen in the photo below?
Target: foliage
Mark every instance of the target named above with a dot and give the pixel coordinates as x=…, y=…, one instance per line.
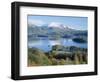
x=59, y=55
x=38, y=57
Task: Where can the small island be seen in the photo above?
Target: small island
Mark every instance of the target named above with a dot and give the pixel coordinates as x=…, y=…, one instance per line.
x=79, y=40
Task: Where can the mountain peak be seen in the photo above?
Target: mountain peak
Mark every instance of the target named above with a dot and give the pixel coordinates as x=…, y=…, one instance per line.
x=56, y=25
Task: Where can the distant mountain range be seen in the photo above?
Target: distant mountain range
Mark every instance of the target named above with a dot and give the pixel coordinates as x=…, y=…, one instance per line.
x=55, y=30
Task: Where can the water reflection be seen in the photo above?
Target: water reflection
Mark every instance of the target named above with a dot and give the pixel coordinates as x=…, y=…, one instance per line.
x=46, y=44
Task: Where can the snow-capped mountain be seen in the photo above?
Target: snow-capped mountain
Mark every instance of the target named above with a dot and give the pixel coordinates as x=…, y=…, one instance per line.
x=52, y=25
x=53, y=29
x=57, y=25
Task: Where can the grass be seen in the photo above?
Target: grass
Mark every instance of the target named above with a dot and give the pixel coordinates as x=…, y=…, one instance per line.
x=37, y=57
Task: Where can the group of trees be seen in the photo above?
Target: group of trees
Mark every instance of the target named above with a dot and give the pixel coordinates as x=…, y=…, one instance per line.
x=57, y=56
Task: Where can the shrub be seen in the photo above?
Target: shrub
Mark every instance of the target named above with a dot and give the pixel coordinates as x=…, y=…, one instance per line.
x=54, y=61
x=38, y=57
x=62, y=62
x=57, y=47
x=76, y=59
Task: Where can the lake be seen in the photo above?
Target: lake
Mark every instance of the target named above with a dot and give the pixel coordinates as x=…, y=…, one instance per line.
x=46, y=44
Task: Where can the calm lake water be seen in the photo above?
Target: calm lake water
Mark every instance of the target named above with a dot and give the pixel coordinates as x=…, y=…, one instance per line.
x=46, y=44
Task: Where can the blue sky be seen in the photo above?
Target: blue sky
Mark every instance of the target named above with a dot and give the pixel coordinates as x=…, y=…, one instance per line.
x=79, y=23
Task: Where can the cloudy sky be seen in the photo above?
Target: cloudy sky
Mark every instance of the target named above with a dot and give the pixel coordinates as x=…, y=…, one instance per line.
x=72, y=22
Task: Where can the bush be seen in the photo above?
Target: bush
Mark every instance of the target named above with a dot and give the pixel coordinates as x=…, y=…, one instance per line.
x=54, y=61
x=57, y=47
x=38, y=57
x=62, y=62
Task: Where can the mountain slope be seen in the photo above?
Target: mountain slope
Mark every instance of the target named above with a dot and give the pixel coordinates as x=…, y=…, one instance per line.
x=54, y=30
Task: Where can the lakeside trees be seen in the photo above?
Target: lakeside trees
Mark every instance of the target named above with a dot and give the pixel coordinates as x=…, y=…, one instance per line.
x=59, y=55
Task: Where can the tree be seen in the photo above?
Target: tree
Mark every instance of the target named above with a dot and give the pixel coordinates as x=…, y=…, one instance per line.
x=76, y=59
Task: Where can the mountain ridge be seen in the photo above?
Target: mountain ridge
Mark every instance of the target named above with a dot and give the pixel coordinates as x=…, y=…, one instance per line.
x=54, y=31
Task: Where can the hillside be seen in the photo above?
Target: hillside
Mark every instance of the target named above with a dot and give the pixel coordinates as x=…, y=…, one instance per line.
x=54, y=31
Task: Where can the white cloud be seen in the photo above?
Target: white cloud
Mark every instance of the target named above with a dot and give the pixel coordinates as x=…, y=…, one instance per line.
x=35, y=22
